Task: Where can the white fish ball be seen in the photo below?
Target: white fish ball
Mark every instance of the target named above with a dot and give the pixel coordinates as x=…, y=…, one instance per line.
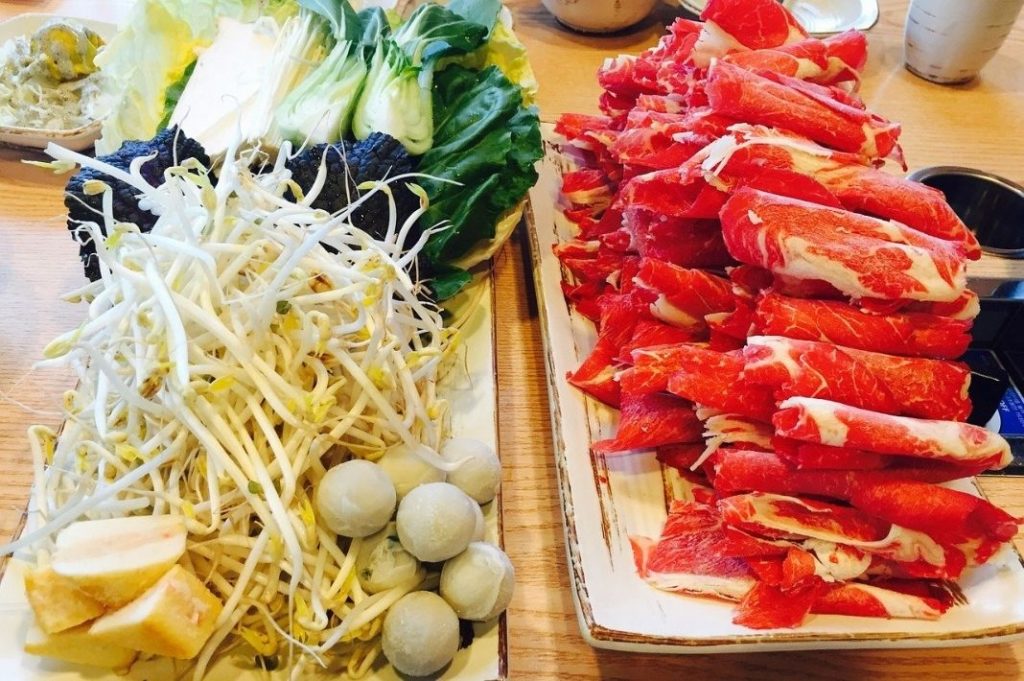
x=420, y=634
x=355, y=498
x=479, y=474
x=478, y=583
x=436, y=521
x=480, y=531
x=383, y=563
x=407, y=469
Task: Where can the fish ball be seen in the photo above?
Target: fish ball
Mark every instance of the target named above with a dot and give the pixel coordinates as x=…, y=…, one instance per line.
x=407, y=469
x=479, y=474
x=478, y=583
x=436, y=521
x=420, y=634
x=355, y=498
x=480, y=530
x=383, y=563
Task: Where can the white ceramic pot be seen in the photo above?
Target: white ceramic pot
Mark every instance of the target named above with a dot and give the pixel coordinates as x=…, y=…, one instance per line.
x=949, y=41
x=600, y=16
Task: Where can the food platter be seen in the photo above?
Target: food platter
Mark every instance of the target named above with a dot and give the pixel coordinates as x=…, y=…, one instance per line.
x=471, y=390
x=605, y=499
x=379, y=485
x=33, y=138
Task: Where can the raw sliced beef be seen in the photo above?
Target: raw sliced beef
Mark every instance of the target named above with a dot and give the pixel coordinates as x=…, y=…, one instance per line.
x=717, y=383
x=746, y=96
x=856, y=599
x=811, y=455
x=808, y=241
x=818, y=61
x=913, y=334
x=689, y=557
x=925, y=388
x=838, y=425
x=949, y=516
x=748, y=150
x=684, y=296
x=738, y=470
x=682, y=242
x=648, y=421
x=757, y=24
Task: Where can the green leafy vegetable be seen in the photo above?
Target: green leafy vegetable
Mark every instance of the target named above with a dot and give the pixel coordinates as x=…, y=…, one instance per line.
x=374, y=26
x=486, y=141
x=394, y=101
x=504, y=50
x=433, y=32
x=339, y=15
x=320, y=109
x=173, y=94
x=397, y=96
x=446, y=281
x=483, y=12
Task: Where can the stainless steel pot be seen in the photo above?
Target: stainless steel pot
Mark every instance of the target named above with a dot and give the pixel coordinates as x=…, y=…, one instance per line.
x=992, y=206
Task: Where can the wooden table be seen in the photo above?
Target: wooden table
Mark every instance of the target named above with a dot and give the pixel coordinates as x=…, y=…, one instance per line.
x=977, y=125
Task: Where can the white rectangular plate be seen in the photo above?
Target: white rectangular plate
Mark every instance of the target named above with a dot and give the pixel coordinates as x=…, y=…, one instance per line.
x=607, y=499
x=472, y=394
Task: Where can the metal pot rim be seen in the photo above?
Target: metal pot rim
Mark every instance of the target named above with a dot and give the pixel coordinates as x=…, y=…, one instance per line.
x=922, y=174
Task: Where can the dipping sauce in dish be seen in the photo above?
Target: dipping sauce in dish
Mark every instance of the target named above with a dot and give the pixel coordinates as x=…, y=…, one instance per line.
x=49, y=80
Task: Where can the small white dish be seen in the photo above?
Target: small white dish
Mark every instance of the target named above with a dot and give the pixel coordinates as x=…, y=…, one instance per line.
x=599, y=16
x=76, y=139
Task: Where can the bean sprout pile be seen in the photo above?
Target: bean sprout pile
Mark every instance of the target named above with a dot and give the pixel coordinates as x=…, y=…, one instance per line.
x=227, y=361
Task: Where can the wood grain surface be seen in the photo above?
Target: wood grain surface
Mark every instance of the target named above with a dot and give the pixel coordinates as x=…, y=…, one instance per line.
x=978, y=125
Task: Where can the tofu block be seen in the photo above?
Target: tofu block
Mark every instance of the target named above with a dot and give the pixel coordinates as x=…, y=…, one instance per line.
x=78, y=646
x=57, y=603
x=174, y=618
x=115, y=560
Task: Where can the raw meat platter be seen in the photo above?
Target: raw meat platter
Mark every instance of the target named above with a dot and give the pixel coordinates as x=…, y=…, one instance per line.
x=751, y=328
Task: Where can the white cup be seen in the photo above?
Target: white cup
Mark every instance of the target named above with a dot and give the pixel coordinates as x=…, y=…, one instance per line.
x=600, y=16
x=949, y=41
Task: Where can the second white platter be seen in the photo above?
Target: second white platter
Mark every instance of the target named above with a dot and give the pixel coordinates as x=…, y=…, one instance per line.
x=607, y=499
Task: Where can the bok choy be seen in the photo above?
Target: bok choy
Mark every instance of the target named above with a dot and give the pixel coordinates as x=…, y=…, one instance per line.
x=320, y=109
x=397, y=98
